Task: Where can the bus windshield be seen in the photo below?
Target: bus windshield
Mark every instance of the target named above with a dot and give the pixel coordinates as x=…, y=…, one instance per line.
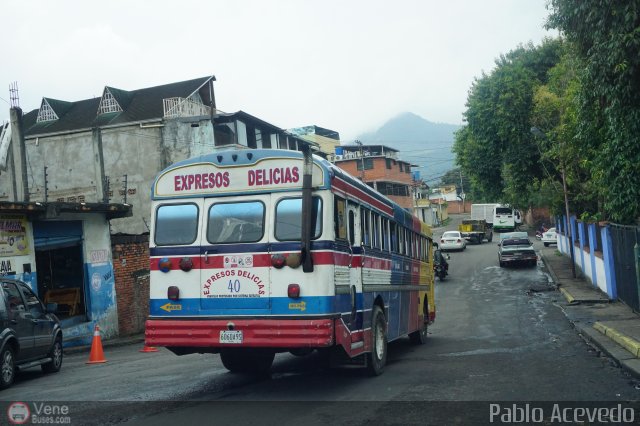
x=241, y=222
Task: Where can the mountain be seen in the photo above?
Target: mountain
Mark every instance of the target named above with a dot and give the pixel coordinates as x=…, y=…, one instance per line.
x=419, y=141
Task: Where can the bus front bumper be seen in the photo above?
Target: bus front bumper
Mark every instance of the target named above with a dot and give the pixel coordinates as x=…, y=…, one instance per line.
x=255, y=333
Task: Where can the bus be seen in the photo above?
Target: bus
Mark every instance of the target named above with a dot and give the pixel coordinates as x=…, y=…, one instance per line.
x=505, y=218
x=256, y=252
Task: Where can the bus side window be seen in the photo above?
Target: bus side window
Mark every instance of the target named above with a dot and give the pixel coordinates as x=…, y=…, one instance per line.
x=385, y=234
x=366, y=227
x=340, y=225
x=394, y=237
x=375, y=228
x=352, y=228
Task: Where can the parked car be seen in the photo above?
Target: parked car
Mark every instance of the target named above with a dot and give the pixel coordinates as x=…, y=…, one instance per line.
x=550, y=237
x=516, y=251
x=452, y=240
x=31, y=335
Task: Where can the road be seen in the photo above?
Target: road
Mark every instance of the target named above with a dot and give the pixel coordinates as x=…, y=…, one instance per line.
x=500, y=335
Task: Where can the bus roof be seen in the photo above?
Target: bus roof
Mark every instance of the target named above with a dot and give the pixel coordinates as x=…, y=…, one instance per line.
x=239, y=172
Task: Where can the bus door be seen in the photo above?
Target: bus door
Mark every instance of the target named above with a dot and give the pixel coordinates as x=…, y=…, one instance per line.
x=355, y=271
x=235, y=255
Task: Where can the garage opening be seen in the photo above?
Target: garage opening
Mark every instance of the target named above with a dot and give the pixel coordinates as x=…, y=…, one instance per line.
x=60, y=267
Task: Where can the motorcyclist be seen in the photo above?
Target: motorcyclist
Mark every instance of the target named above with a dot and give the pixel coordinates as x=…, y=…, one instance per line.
x=440, y=258
x=541, y=230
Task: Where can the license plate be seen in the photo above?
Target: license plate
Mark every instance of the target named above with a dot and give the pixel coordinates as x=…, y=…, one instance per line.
x=231, y=336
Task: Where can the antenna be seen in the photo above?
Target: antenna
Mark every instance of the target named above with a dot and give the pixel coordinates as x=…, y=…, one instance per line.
x=13, y=95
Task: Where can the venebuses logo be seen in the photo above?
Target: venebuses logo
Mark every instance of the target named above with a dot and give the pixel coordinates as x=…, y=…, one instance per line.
x=18, y=413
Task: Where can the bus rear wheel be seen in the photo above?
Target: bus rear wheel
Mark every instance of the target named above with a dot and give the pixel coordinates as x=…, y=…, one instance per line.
x=377, y=358
x=247, y=360
x=419, y=337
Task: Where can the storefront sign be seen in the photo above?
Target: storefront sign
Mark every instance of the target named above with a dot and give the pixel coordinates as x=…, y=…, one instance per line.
x=99, y=256
x=13, y=235
x=7, y=266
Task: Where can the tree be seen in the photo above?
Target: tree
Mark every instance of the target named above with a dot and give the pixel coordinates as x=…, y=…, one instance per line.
x=606, y=37
x=495, y=148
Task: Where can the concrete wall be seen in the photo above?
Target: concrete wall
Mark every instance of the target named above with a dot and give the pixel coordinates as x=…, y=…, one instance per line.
x=458, y=207
x=75, y=171
x=595, y=265
x=70, y=170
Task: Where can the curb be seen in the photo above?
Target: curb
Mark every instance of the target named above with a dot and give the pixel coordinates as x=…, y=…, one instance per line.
x=567, y=295
x=626, y=342
x=106, y=344
x=554, y=277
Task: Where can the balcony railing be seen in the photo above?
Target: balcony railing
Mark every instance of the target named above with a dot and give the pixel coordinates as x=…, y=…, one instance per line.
x=184, y=107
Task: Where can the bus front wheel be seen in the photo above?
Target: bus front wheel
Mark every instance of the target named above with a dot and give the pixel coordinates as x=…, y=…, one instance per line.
x=247, y=360
x=377, y=358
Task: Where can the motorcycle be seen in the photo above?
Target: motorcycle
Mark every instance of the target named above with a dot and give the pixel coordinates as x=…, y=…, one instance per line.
x=440, y=271
x=440, y=267
x=541, y=231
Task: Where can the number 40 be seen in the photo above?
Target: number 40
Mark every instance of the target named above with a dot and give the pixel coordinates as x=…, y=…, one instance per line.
x=234, y=286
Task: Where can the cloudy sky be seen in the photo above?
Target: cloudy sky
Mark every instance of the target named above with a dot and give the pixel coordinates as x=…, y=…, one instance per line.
x=345, y=65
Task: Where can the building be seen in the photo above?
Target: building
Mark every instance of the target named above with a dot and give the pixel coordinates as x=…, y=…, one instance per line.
x=326, y=140
x=379, y=167
x=62, y=251
x=105, y=151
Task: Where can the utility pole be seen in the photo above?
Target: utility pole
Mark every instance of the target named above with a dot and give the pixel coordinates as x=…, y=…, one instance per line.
x=464, y=208
x=569, y=230
x=361, y=160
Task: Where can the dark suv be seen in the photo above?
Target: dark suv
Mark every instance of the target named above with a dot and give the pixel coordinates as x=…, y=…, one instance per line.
x=30, y=335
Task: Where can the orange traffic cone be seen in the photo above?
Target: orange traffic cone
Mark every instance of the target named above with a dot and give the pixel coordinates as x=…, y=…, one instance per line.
x=96, y=356
x=148, y=349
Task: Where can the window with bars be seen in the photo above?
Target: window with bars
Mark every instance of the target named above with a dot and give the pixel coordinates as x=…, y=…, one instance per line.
x=367, y=163
x=108, y=103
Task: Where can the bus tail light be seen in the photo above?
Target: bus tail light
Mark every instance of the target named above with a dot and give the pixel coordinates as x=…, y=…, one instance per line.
x=293, y=291
x=173, y=293
x=164, y=264
x=186, y=264
x=293, y=260
x=278, y=261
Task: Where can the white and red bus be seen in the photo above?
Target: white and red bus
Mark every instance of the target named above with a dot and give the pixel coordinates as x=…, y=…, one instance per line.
x=255, y=252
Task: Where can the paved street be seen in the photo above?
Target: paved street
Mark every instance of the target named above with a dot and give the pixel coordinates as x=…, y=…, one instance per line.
x=500, y=335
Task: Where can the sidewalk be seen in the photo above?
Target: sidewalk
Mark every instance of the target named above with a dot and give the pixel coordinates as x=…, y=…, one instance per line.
x=611, y=326
x=110, y=343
